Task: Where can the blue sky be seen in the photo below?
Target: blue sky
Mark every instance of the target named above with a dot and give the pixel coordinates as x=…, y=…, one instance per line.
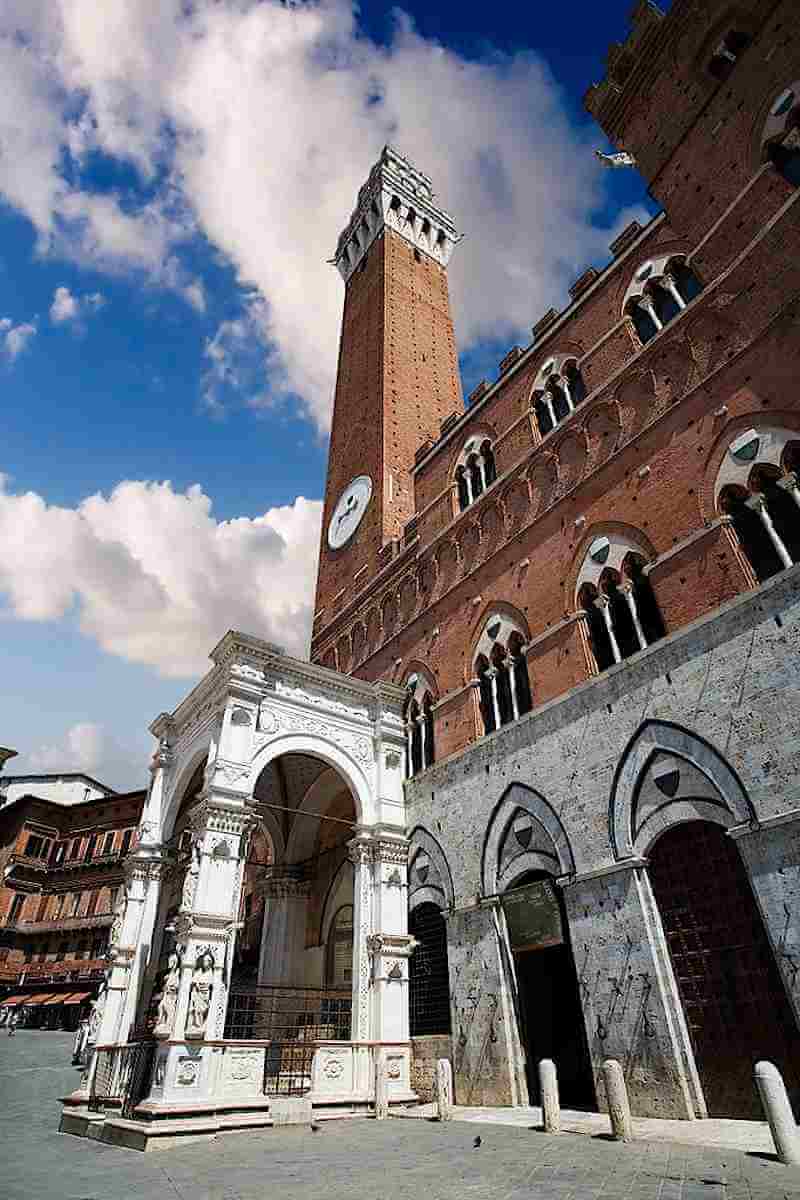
x=170, y=187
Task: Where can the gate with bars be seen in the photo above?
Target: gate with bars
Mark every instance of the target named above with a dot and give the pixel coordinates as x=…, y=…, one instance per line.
x=292, y=1020
x=121, y=1076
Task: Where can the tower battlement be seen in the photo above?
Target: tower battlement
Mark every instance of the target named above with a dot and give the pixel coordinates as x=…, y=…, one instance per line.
x=398, y=195
x=623, y=62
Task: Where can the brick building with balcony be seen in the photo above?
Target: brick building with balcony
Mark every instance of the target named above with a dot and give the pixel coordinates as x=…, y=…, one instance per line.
x=63, y=839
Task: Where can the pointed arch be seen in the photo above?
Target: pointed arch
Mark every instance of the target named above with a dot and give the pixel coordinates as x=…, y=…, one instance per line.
x=429, y=878
x=726, y=802
x=540, y=843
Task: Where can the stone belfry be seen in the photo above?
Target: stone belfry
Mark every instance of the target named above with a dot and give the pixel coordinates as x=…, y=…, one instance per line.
x=397, y=377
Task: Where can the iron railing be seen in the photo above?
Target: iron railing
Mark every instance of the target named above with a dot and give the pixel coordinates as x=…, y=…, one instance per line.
x=121, y=1076
x=292, y=1020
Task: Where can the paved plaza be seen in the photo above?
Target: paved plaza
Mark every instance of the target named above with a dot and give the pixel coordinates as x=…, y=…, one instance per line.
x=401, y=1160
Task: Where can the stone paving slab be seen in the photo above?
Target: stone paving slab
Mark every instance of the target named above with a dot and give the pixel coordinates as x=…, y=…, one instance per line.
x=390, y=1160
x=716, y=1133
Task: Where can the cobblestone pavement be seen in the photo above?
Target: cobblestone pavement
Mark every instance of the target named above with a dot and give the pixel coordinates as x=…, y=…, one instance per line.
x=394, y=1160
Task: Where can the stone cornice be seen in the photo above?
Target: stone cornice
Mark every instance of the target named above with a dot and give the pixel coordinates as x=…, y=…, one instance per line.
x=242, y=661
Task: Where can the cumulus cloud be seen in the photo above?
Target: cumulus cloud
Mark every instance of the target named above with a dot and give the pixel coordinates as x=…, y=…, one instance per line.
x=155, y=578
x=90, y=748
x=15, y=338
x=67, y=307
x=253, y=123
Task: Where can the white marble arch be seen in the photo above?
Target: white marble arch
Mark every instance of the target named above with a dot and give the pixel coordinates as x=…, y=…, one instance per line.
x=437, y=885
x=725, y=803
x=318, y=746
x=549, y=849
x=161, y=824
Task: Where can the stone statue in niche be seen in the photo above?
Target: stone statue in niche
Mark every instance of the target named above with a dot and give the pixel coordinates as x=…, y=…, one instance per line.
x=191, y=877
x=200, y=996
x=169, y=998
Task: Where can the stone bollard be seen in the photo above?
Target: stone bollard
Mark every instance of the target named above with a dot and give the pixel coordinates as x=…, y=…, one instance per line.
x=444, y=1088
x=381, y=1088
x=778, y=1112
x=619, y=1110
x=548, y=1087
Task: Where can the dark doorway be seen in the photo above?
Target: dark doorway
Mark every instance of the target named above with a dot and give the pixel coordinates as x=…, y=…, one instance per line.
x=736, y=1008
x=550, y=1014
x=429, y=980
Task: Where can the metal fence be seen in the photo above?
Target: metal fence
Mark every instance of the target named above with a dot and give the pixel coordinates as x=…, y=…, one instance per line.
x=292, y=1020
x=121, y=1076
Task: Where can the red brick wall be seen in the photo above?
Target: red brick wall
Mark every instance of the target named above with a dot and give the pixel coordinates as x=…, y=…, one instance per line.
x=640, y=455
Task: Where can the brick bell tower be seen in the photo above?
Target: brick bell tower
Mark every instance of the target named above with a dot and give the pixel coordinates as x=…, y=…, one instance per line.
x=398, y=373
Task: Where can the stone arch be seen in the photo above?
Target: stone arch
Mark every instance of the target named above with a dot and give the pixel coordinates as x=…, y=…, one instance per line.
x=429, y=878
x=655, y=754
x=478, y=433
x=734, y=454
x=169, y=815
x=322, y=746
x=622, y=540
x=524, y=834
x=511, y=619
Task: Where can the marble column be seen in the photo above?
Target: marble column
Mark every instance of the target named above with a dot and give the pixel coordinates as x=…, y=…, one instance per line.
x=759, y=505
x=132, y=952
x=603, y=603
x=284, y=930
x=389, y=943
x=206, y=924
x=634, y=611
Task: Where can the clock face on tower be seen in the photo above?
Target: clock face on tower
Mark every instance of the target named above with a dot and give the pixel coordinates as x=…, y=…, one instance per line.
x=350, y=508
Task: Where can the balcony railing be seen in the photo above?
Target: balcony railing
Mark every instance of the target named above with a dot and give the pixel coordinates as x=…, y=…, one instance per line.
x=86, y=970
x=60, y=924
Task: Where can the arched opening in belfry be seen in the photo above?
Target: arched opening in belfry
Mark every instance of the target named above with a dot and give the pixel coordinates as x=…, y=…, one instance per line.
x=550, y=1015
x=733, y=999
x=301, y=990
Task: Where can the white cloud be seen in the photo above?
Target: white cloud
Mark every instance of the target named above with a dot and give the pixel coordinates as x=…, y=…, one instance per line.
x=155, y=578
x=67, y=307
x=254, y=124
x=195, y=293
x=15, y=338
x=88, y=747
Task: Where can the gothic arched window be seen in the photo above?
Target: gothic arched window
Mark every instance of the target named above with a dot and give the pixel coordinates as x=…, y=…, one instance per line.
x=476, y=471
x=660, y=291
x=557, y=391
x=622, y=614
x=758, y=489
x=501, y=674
x=419, y=724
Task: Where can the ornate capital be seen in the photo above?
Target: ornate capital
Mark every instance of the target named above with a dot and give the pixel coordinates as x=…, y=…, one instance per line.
x=360, y=852
x=141, y=870
x=387, y=850
x=286, y=889
x=211, y=817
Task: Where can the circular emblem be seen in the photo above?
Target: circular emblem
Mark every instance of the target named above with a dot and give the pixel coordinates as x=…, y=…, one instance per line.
x=350, y=508
x=333, y=1068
